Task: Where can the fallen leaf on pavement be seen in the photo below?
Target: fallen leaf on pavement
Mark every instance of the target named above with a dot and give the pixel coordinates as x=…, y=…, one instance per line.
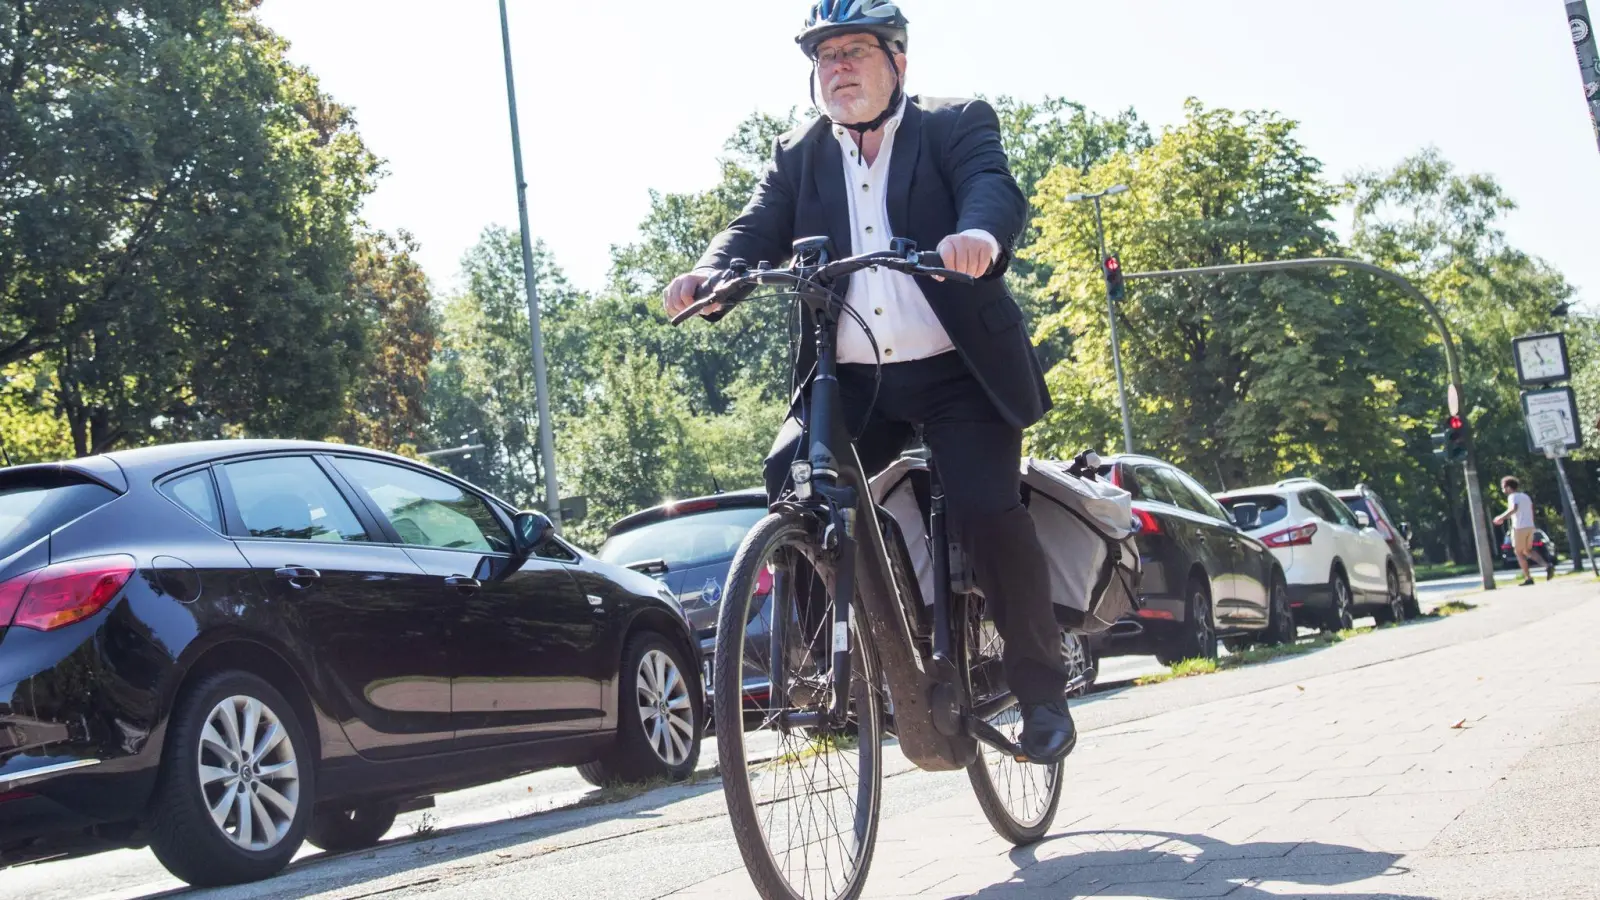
x=1460, y=724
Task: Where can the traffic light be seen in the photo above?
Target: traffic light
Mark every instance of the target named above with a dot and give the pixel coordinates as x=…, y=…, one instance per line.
x=1115, y=289
x=1455, y=439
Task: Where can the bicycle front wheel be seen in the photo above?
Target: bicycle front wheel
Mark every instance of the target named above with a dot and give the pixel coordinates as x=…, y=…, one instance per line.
x=804, y=801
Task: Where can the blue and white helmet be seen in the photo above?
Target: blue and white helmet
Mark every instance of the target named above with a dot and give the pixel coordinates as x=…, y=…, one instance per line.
x=830, y=18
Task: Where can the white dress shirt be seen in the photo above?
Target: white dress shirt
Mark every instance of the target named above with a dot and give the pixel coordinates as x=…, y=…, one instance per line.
x=892, y=303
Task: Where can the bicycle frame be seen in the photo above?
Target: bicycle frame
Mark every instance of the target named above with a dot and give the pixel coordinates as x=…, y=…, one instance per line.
x=932, y=702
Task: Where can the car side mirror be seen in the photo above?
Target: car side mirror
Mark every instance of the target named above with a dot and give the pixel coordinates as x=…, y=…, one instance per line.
x=530, y=530
x=1362, y=519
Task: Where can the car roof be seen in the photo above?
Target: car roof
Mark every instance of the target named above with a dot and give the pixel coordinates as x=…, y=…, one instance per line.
x=145, y=463
x=750, y=498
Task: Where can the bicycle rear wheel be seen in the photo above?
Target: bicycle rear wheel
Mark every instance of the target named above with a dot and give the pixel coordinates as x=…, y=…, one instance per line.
x=1018, y=798
x=804, y=801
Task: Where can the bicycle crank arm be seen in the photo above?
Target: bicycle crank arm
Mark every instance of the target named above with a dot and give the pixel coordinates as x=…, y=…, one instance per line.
x=988, y=734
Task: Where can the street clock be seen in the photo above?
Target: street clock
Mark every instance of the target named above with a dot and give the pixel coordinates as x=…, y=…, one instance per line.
x=1541, y=358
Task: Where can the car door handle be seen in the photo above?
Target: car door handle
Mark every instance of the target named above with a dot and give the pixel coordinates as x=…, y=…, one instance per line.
x=464, y=583
x=299, y=577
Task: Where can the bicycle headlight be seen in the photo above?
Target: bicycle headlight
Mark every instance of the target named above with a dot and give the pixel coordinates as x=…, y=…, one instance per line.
x=800, y=474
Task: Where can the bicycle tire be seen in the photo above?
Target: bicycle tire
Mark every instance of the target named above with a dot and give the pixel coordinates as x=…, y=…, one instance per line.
x=775, y=879
x=997, y=780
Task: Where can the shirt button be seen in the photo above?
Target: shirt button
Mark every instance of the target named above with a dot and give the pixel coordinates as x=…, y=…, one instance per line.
x=865, y=186
x=888, y=352
x=869, y=229
x=878, y=311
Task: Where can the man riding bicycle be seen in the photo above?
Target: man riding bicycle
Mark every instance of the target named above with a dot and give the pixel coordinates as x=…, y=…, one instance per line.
x=956, y=360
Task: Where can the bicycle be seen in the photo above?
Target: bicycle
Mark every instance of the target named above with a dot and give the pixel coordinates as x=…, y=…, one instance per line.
x=802, y=762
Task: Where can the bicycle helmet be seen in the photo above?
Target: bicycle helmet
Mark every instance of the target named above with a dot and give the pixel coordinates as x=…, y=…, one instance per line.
x=879, y=18
x=830, y=18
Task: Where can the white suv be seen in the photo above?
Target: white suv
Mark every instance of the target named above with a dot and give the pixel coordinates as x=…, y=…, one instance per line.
x=1336, y=562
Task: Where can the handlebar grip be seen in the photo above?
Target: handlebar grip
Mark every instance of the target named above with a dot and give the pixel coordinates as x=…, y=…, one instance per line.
x=929, y=259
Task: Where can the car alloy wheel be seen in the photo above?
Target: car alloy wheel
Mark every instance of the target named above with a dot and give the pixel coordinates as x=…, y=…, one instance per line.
x=249, y=773
x=665, y=707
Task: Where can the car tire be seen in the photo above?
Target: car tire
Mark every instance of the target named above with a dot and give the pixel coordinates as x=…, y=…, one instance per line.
x=660, y=740
x=184, y=833
x=1341, y=612
x=1198, y=639
x=1413, y=605
x=1281, y=627
x=1394, y=610
x=343, y=830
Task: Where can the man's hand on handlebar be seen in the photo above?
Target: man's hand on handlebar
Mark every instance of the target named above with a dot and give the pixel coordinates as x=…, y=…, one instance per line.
x=966, y=254
x=680, y=294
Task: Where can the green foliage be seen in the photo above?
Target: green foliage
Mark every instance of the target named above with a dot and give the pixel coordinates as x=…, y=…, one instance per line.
x=1240, y=378
x=176, y=211
x=385, y=407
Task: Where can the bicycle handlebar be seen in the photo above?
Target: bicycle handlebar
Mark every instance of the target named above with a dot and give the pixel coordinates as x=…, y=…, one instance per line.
x=728, y=289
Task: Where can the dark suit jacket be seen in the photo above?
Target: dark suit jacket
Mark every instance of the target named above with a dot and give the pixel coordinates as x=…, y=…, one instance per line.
x=948, y=173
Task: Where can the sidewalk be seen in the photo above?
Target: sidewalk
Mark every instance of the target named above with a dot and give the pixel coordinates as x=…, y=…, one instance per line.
x=1464, y=769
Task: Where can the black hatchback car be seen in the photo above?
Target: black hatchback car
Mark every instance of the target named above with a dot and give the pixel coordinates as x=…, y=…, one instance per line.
x=1203, y=579
x=222, y=649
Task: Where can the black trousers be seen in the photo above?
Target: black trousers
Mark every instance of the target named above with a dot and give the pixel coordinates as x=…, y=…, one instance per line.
x=978, y=454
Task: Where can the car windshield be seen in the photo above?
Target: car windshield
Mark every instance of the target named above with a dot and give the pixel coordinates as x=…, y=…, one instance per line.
x=29, y=512
x=1271, y=509
x=684, y=540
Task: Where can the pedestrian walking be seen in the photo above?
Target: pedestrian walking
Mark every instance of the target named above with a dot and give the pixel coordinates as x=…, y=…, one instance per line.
x=1519, y=510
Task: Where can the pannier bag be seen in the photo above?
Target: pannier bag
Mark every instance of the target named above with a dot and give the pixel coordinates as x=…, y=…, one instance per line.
x=1085, y=525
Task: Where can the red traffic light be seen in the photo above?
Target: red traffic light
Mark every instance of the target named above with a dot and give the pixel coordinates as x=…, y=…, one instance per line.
x=1113, y=264
x=1456, y=422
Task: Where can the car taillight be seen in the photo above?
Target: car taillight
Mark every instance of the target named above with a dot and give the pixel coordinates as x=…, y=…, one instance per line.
x=1148, y=524
x=14, y=795
x=764, y=582
x=1298, y=536
x=59, y=595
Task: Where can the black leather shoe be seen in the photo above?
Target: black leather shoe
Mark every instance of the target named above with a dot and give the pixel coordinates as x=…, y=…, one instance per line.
x=1048, y=734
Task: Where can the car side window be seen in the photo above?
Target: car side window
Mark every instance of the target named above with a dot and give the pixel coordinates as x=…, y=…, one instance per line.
x=194, y=492
x=1208, y=504
x=1181, y=495
x=1341, y=512
x=290, y=497
x=1148, y=480
x=1312, y=501
x=427, y=511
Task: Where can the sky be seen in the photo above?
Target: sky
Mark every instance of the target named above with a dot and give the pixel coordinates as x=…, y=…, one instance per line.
x=619, y=97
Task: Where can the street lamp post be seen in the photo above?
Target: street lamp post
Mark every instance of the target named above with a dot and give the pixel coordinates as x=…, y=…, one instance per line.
x=547, y=442
x=1111, y=308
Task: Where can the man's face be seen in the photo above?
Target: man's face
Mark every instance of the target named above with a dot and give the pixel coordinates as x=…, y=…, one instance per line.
x=855, y=77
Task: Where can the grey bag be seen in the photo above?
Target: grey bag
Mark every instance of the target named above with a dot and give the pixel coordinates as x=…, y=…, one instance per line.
x=1087, y=528
x=1085, y=525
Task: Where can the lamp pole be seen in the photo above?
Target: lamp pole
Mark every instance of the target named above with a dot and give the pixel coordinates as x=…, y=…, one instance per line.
x=1111, y=308
x=547, y=441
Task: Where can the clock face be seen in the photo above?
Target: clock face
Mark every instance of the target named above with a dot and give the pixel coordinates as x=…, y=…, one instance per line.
x=1541, y=359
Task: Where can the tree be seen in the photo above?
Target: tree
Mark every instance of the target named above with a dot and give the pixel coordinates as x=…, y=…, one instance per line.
x=1442, y=230
x=1237, y=379
x=177, y=204
x=752, y=343
x=481, y=382
x=386, y=405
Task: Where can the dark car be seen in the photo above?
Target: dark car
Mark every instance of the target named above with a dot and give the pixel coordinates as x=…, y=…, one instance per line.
x=222, y=649
x=688, y=545
x=1203, y=578
x=1542, y=546
x=1364, y=501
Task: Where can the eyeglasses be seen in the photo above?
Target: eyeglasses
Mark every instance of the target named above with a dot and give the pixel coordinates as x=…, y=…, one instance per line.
x=853, y=54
